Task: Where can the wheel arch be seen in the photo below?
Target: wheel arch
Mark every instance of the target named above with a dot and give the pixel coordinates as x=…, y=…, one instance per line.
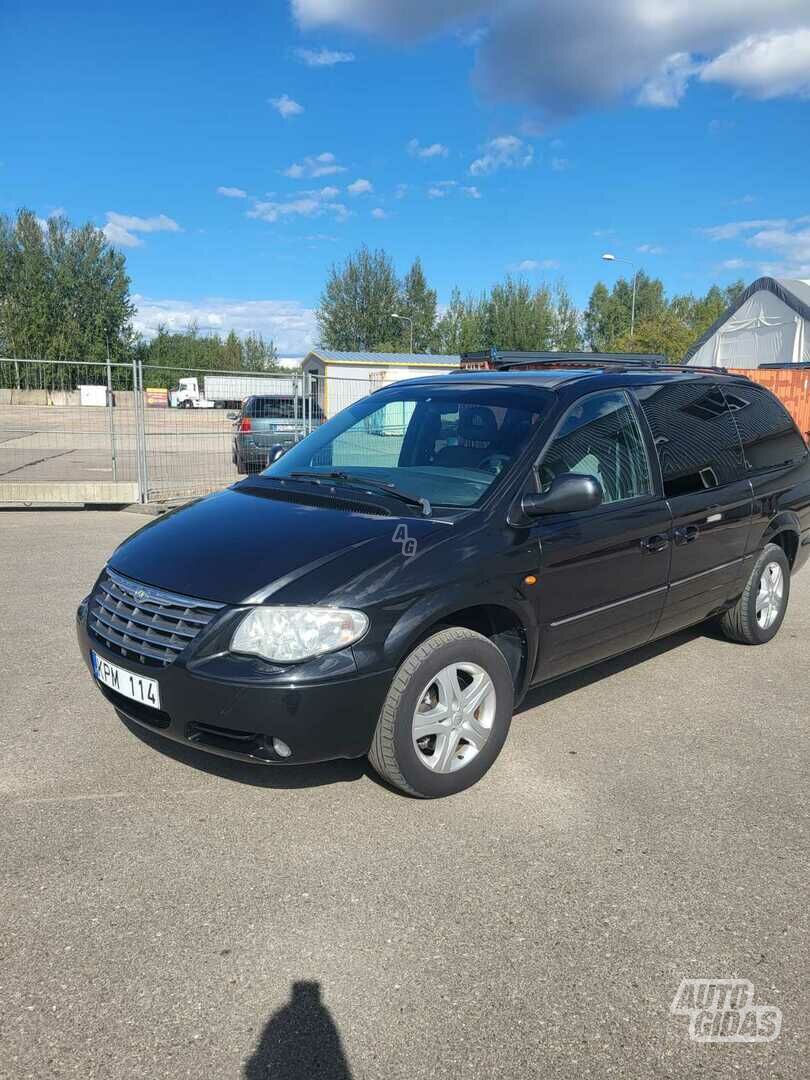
x=510, y=626
x=785, y=531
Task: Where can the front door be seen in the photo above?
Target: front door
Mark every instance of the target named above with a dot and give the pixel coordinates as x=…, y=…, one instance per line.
x=704, y=478
x=603, y=573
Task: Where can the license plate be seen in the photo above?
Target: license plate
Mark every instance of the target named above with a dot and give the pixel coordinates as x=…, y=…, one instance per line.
x=135, y=687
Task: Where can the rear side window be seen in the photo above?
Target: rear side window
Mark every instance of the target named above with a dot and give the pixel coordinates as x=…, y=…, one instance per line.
x=695, y=435
x=768, y=434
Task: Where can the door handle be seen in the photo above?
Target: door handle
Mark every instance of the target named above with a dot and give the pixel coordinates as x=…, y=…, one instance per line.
x=659, y=542
x=687, y=534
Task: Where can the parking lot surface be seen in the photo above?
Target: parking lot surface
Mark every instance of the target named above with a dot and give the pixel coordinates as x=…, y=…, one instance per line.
x=166, y=914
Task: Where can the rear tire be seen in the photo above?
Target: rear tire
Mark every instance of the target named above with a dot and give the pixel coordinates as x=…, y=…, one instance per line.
x=756, y=617
x=241, y=467
x=455, y=688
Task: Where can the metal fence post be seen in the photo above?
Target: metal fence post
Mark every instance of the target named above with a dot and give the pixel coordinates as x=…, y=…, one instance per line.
x=144, y=456
x=111, y=416
x=138, y=432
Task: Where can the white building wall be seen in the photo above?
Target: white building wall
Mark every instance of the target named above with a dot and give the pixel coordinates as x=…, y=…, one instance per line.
x=347, y=383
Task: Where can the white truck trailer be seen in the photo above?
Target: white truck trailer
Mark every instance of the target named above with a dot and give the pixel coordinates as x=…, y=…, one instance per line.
x=229, y=391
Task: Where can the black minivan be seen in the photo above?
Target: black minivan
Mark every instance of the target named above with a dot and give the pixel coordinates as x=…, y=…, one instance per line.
x=396, y=582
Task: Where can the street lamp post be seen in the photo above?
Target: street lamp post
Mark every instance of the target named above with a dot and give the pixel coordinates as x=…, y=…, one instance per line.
x=615, y=258
x=407, y=319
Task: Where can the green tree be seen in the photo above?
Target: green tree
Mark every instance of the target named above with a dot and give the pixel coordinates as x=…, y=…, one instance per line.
x=665, y=332
x=566, y=334
x=64, y=292
x=607, y=317
x=418, y=302
x=355, y=307
x=462, y=327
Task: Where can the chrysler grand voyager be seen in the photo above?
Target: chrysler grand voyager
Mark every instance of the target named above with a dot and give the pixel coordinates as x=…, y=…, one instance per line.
x=397, y=581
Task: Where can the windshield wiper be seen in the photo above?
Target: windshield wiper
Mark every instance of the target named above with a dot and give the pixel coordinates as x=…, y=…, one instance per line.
x=357, y=480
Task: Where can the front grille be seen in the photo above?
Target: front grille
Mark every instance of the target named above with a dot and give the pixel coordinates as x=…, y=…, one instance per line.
x=143, y=623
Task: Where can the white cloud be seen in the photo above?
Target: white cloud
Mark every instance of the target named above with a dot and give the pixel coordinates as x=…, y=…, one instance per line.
x=560, y=164
x=122, y=229
x=733, y=264
x=323, y=57
x=308, y=204
x=650, y=249
x=528, y=266
x=436, y=192
x=325, y=164
x=472, y=192
x=784, y=243
x=379, y=214
x=788, y=245
x=232, y=192
x=286, y=107
x=667, y=86
x=766, y=65
x=400, y=191
x=415, y=149
x=360, y=187
x=289, y=323
x=732, y=229
x=563, y=56
x=503, y=152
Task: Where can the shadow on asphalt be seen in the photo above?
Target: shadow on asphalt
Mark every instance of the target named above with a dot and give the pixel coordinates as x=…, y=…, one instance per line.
x=299, y=1042
x=569, y=684
x=267, y=776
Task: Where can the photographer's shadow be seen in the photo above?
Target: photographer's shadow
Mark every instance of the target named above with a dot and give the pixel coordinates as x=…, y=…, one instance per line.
x=299, y=1042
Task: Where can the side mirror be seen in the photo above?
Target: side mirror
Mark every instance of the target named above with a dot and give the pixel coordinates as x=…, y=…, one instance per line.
x=232, y=416
x=274, y=453
x=570, y=493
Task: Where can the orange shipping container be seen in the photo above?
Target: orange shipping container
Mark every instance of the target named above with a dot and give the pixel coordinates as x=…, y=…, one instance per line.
x=791, y=386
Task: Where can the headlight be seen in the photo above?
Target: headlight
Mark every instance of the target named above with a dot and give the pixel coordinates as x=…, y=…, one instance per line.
x=297, y=633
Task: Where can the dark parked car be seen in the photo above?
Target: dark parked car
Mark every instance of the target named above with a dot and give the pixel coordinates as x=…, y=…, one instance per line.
x=397, y=581
x=266, y=422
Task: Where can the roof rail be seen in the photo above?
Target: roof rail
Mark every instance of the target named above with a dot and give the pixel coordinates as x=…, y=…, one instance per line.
x=501, y=361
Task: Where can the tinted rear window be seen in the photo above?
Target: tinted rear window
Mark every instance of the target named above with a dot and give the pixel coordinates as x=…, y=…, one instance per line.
x=768, y=434
x=271, y=408
x=695, y=435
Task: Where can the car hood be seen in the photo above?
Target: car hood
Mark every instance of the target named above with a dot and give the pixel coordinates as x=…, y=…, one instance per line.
x=241, y=545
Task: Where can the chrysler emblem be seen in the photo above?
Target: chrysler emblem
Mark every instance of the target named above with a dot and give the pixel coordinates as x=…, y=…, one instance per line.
x=141, y=595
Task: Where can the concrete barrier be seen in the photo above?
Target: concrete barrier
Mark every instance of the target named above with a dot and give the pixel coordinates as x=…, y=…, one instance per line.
x=57, y=491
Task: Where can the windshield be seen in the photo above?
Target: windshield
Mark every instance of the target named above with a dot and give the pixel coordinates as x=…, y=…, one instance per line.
x=442, y=444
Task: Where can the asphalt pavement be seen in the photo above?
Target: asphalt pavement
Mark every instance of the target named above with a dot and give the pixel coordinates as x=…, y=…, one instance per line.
x=165, y=914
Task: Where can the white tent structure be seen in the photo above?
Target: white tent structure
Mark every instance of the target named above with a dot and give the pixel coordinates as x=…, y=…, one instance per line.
x=769, y=324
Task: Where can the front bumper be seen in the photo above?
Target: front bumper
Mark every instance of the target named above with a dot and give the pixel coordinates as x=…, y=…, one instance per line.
x=234, y=707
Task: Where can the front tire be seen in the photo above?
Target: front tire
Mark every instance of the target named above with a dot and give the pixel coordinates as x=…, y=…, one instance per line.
x=446, y=716
x=756, y=617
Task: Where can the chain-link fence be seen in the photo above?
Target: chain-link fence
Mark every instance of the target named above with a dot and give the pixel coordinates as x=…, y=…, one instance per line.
x=115, y=433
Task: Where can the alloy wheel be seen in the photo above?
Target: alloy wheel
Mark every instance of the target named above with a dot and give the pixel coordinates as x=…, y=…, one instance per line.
x=770, y=595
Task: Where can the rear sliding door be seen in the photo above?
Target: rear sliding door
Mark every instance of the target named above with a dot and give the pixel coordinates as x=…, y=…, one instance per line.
x=706, y=485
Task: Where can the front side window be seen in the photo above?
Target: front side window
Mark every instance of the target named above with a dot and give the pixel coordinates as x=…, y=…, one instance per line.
x=445, y=444
x=600, y=437
x=695, y=434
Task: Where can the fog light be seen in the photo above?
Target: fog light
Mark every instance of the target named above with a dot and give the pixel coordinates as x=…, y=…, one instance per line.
x=281, y=748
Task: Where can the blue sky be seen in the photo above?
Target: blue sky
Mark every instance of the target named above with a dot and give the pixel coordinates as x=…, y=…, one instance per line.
x=235, y=153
